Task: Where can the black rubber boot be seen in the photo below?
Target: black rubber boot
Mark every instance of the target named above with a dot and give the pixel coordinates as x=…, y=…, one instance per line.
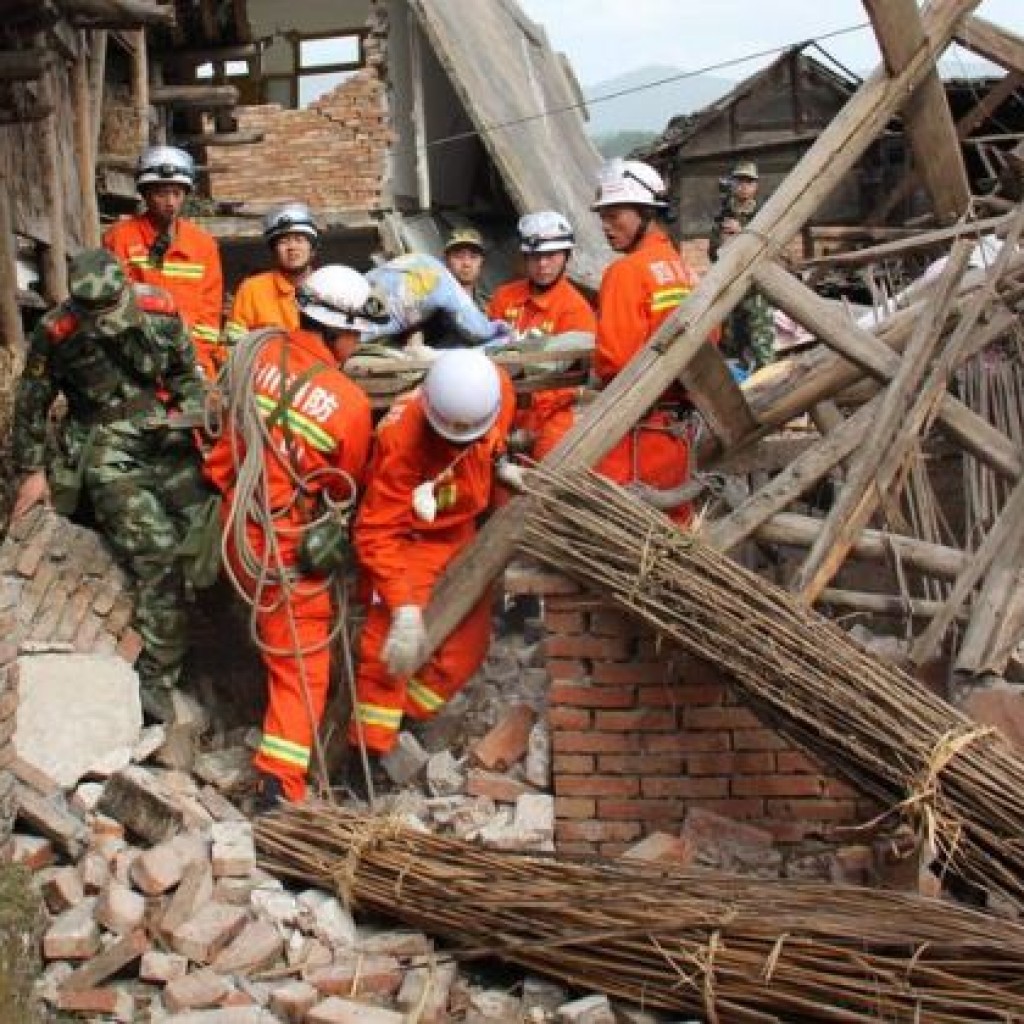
x=269, y=794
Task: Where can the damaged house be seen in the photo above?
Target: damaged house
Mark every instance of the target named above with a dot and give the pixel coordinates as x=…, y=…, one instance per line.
x=813, y=695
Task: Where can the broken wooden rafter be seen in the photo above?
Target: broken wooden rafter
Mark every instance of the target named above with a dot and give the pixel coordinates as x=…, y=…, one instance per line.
x=196, y=97
x=887, y=605
x=118, y=13
x=674, y=345
x=926, y=114
x=22, y=65
x=992, y=42
x=244, y=138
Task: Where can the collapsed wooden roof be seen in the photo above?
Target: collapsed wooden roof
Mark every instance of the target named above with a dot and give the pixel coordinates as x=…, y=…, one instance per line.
x=953, y=320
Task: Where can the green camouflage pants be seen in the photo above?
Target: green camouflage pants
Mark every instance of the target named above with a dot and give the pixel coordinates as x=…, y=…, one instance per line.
x=145, y=487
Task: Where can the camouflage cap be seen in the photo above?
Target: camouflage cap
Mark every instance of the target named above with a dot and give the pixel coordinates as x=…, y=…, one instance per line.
x=464, y=236
x=745, y=169
x=99, y=289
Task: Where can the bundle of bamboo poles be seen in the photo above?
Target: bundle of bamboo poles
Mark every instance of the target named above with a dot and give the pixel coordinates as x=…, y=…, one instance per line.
x=735, y=950
x=893, y=738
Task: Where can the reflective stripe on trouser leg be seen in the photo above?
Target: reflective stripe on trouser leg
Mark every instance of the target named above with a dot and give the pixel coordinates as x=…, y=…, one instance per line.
x=380, y=697
x=453, y=664
x=287, y=728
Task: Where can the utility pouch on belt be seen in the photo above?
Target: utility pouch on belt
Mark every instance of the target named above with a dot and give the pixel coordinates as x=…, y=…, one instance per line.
x=200, y=550
x=67, y=474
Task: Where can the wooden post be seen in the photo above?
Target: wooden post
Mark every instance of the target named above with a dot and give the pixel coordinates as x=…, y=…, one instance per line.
x=11, y=326
x=929, y=123
x=419, y=113
x=85, y=155
x=865, y=486
x=97, y=79
x=125, y=14
x=55, y=269
x=670, y=351
x=140, y=85
x=993, y=42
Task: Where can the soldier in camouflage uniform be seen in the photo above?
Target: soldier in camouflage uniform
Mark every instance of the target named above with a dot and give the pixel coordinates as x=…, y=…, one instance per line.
x=123, y=361
x=748, y=334
x=739, y=203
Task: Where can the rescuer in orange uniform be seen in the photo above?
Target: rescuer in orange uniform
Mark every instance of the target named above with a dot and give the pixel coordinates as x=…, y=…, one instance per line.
x=317, y=438
x=638, y=293
x=160, y=247
x=546, y=301
x=268, y=299
x=430, y=479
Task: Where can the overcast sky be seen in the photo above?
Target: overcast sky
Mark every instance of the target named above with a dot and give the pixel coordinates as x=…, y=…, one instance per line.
x=605, y=38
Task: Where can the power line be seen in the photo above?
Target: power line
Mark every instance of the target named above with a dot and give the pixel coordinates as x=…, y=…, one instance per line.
x=721, y=65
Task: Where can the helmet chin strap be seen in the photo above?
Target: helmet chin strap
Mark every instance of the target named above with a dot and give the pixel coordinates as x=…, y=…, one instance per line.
x=646, y=217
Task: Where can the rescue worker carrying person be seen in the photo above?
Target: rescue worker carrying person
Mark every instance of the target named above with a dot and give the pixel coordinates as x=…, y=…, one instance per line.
x=268, y=299
x=122, y=359
x=638, y=293
x=544, y=303
x=160, y=247
x=430, y=479
x=289, y=464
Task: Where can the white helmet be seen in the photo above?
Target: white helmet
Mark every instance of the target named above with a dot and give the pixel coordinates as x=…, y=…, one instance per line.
x=546, y=231
x=629, y=182
x=462, y=394
x=289, y=219
x=339, y=297
x=165, y=165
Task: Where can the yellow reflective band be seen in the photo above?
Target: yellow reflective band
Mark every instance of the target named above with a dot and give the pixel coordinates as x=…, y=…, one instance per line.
x=301, y=425
x=666, y=298
x=169, y=268
x=427, y=699
x=207, y=333
x=374, y=714
x=235, y=331
x=284, y=750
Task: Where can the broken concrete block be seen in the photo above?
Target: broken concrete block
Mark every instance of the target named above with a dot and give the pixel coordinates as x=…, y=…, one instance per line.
x=73, y=935
x=227, y=770
x=425, y=990
x=50, y=817
x=361, y=976
x=444, y=774
x=507, y=742
x=62, y=890
x=94, y=869
x=207, y=932
x=136, y=799
x=195, y=991
x=273, y=904
x=111, y=1002
x=538, y=756
x=107, y=713
x=257, y=945
x=158, y=869
x=405, y=762
x=347, y=1011
x=114, y=958
x=151, y=739
x=325, y=917
x=119, y=909
x=502, y=788
x=663, y=847
x=158, y=967
x=292, y=1001
x=535, y=815
x=593, y=1009
x=234, y=851
x=496, y=1004
x=399, y=944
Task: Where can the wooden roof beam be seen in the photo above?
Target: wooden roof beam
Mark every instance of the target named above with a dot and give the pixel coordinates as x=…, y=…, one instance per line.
x=670, y=351
x=118, y=13
x=929, y=123
x=993, y=42
x=195, y=97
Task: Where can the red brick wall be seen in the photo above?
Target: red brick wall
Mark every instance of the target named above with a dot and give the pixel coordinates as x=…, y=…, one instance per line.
x=642, y=733
x=332, y=155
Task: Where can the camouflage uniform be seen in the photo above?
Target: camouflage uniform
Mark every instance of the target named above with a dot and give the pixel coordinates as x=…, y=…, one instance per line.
x=748, y=333
x=120, y=358
x=740, y=209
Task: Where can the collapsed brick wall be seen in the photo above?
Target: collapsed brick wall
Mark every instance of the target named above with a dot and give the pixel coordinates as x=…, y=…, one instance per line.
x=330, y=155
x=641, y=734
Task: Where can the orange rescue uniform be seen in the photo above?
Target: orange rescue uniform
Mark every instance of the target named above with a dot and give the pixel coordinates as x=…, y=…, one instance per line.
x=190, y=271
x=263, y=300
x=559, y=309
x=326, y=425
x=403, y=556
x=638, y=293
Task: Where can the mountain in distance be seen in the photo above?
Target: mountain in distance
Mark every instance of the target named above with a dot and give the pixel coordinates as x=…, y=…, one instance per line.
x=648, y=109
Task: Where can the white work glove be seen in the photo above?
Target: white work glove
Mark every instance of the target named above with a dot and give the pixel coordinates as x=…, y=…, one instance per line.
x=424, y=504
x=511, y=474
x=406, y=643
